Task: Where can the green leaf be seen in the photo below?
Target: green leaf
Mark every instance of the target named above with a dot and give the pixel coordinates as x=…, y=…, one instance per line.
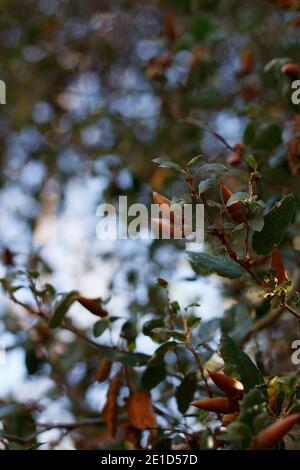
x=153, y=376
x=256, y=220
x=201, y=27
x=99, y=327
x=237, y=362
x=208, y=330
x=240, y=434
x=221, y=265
x=165, y=163
x=150, y=325
x=62, y=308
x=193, y=304
x=213, y=168
x=251, y=406
x=194, y=160
x=129, y=331
x=237, y=197
x=185, y=392
x=268, y=138
x=249, y=134
x=175, y=306
x=160, y=352
x=251, y=160
x=207, y=184
x=215, y=204
x=34, y=274
x=261, y=421
x=125, y=357
x=164, y=334
x=275, y=225
x=193, y=322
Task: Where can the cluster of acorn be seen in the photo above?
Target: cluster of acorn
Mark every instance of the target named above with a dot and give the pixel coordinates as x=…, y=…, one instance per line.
x=229, y=407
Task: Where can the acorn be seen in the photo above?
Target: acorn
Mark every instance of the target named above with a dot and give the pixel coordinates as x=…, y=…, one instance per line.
x=230, y=418
x=291, y=70
x=231, y=387
x=236, y=211
x=269, y=437
x=217, y=405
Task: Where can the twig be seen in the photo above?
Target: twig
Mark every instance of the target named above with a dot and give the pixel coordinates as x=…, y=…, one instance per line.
x=200, y=367
x=291, y=310
x=49, y=426
x=210, y=130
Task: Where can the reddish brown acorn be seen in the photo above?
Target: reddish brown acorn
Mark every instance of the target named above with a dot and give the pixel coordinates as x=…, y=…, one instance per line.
x=236, y=211
x=230, y=418
x=217, y=405
x=291, y=70
x=231, y=387
x=277, y=265
x=269, y=437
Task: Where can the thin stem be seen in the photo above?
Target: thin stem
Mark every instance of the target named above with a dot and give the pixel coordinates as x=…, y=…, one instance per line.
x=291, y=310
x=191, y=348
x=49, y=426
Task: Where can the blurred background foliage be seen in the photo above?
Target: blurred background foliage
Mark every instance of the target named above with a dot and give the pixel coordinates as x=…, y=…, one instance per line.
x=95, y=91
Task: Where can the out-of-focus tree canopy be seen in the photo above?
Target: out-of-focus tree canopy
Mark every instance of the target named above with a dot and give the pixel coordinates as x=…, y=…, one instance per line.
x=102, y=347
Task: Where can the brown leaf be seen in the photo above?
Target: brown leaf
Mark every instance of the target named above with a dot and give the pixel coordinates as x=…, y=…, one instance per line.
x=160, y=199
x=110, y=410
x=8, y=257
x=92, y=305
x=139, y=410
x=169, y=26
x=103, y=370
x=246, y=61
x=277, y=265
x=132, y=435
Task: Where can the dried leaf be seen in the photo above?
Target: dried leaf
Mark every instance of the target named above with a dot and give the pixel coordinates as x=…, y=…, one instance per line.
x=103, y=370
x=139, y=410
x=132, y=435
x=92, y=305
x=110, y=410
